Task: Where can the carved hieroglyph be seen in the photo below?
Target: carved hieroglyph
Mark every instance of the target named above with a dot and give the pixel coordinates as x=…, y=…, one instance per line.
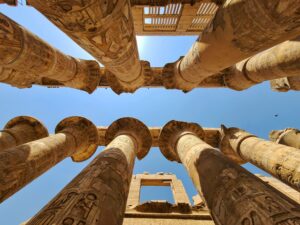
x=289, y=137
x=25, y=59
x=240, y=29
x=233, y=195
x=279, y=160
x=76, y=137
x=286, y=84
x=99, y=193
x=103, y=28
x=283, y=60
x=20, y=130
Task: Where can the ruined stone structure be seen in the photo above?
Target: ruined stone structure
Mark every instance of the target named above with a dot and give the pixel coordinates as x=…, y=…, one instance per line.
x=108, y=29
x=101, y=193
x=240, y=43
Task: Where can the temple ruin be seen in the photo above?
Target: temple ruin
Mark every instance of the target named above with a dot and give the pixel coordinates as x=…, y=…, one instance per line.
x=240, y=44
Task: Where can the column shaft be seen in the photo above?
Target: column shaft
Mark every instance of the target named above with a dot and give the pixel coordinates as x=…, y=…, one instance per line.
x=98, y=194
x=240, y=29
x=277, y=62
x=233, y=195
x=279, y=160
x=25, y=56
x=21, y=165
x=286, y=84
x=103, y=28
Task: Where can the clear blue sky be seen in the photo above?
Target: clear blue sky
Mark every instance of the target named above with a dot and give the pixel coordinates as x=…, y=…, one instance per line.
x=252, y=110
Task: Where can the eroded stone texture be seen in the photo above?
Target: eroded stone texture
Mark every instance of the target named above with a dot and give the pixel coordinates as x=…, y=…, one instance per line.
x=283, y=60
x=233, y=195
x=25, y=59
x=289, y=137
x=103, y=28
x=98, y=194
x=260, y=25
x=21, y=165
x=286, y=84
x=21, y=129
x=279, y=160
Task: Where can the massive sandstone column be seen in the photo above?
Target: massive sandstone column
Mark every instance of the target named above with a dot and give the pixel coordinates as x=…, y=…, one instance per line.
x=289, y=137
x=103, y=28
x=233, y=195
x=75, y=136
x=279, y=160
x=99, y=193
x=240, y=29
x=21, y=129
x=283, y=60
x=25, y=59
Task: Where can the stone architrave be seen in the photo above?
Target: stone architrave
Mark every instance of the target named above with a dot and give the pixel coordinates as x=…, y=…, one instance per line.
x=289, y=137
x=283, y=60
x=105, y=29
x=228, y=40
x=25, y=59
x=20, y=130
x=279, y=160
x=75, y=136
x=233, y=195
x=99, y=193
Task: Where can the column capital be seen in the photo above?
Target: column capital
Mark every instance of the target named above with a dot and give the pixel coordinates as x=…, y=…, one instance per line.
x=39, y=128
x=80, y=128
x=135, y=128
x=277, y=135
x=174, y=80
x=231, y=139
x=170, y=134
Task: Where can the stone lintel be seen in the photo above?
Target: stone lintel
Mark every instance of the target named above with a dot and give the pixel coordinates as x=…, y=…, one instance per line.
x=136, y=129
x=171, y=133
x=85, y=134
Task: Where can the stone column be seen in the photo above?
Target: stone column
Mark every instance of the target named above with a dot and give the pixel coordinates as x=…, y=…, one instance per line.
x=98, y=194
x=233, y=195
x=103, y=28
x=20, y=130
x=241, y=28
x=279, y=160
x=75, y=136
x=289, y=137
x=286, y=84
x=25, y=59
x=277, y=62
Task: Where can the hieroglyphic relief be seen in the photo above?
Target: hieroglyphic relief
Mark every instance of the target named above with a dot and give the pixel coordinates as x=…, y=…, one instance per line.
x=103, y=28
x=96, y=196
x=236, y=196
x=26, y=59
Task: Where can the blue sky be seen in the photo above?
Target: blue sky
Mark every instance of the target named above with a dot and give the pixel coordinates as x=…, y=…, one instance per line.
x=252, y=110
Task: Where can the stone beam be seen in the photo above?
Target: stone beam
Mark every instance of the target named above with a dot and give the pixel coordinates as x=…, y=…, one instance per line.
x=232, y=194
x=286, y=84
x=20, y=130
x=156, y=81
x=279, y=160
x=289, y=137
x=283, y=60
x=26, y=59
x=212, y=136
x=99, y=193
x=105, y=29
x=75, y=136
x=228, y=40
